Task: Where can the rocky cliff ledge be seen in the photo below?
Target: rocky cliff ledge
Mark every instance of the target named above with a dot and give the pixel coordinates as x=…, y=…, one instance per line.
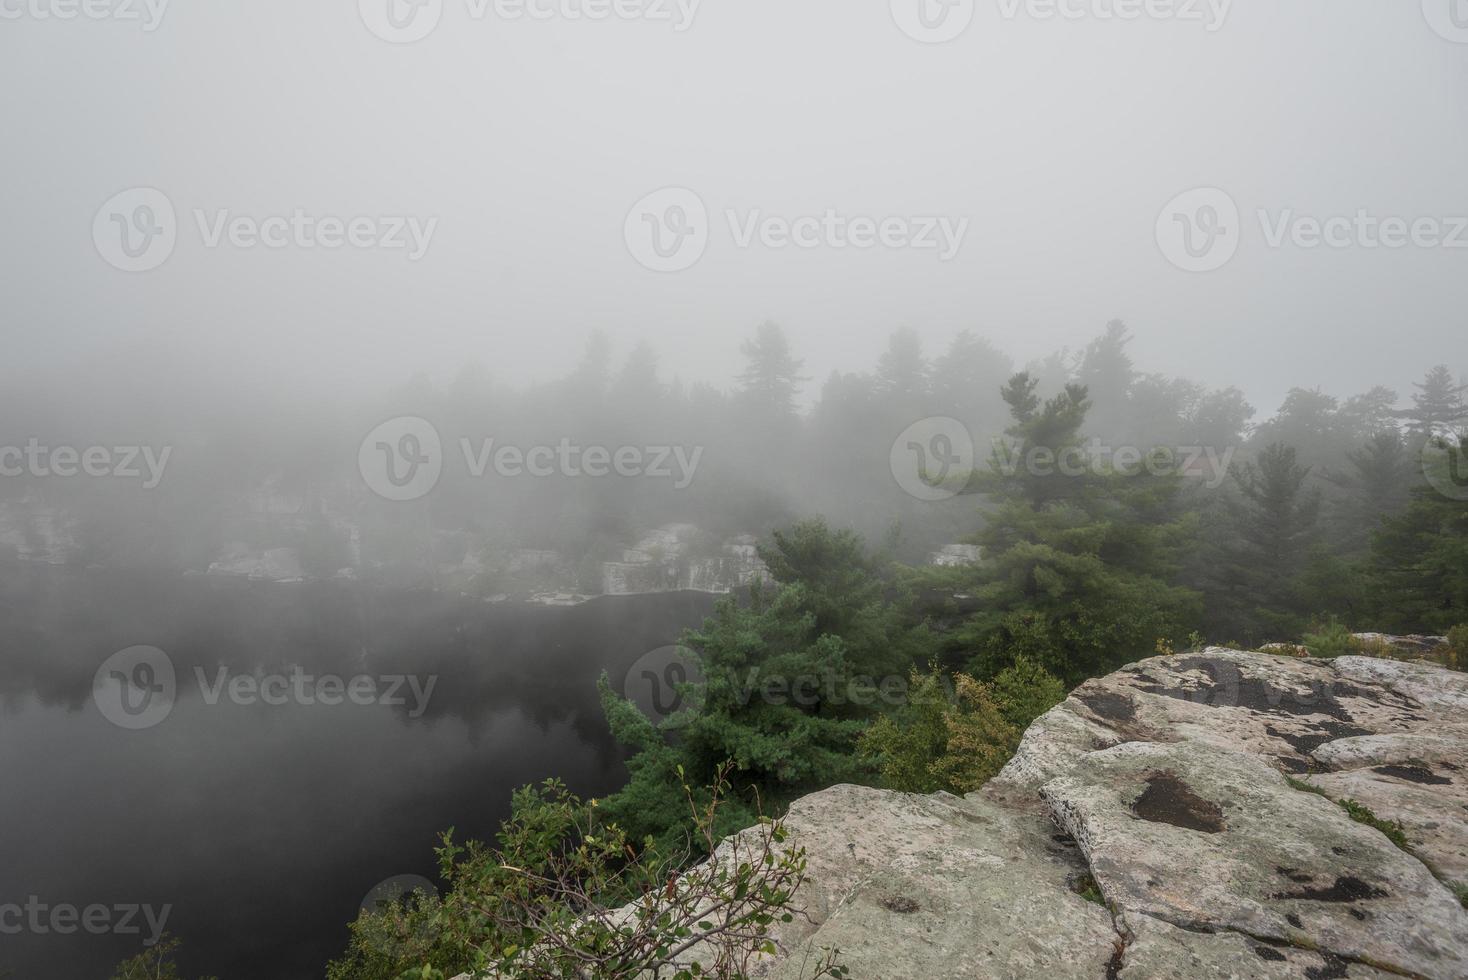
x=1177, y=819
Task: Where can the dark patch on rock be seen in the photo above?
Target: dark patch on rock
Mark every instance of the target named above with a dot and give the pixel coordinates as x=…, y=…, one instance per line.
x=1167, y=799
x=1272, y=955
x=1317, y=734
x=1292, y=765
x=1296, y=875
x=1331, y=968
x=900, y=905
x=1294, y=920
x=1109, y=705
x=1345, y=889
x=1360, y=915
x=1413, y=774
x=1227, y=686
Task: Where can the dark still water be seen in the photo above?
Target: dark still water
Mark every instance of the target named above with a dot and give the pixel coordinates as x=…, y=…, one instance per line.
x=259, y=828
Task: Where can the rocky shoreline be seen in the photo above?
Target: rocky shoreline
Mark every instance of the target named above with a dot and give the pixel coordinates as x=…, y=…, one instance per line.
x=1219, y=814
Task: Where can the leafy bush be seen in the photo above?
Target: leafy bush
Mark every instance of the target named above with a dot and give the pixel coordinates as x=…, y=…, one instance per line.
x=154, y=963
x=1457, y=657
x=955, y=734
x=1330, y=640
x=543, y=903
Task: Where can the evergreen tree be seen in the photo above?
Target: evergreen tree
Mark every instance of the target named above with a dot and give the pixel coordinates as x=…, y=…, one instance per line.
x=771, y=379
x=1438, y=402
x=1078, y=566
x=902, y=369
x=1266, y=540
x=1107, y=373
x=1379, y=480
x=791, y=678
x=1419, y=562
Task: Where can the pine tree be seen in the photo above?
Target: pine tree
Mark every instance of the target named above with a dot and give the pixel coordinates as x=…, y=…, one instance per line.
x=771, y=379
x=1262, y=553
x=1438, y=402
x=1419, y=563
x=902, y=369
x=1078, y=565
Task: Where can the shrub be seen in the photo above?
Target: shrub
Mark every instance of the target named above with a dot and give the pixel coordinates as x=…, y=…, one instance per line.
x=955, y=734
x=543, y=903
x=154, y=963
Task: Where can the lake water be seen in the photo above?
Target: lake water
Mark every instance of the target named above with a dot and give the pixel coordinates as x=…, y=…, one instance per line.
x=261, y=827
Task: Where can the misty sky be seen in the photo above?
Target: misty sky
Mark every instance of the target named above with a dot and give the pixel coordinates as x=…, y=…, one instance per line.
x=1060, y=141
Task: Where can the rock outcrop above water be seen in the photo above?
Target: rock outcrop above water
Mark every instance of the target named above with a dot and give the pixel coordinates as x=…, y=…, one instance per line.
x=1179, y=818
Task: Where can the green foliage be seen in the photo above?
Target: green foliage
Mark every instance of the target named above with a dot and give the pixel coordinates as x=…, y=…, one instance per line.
x=1079, y=566
x=955, y=733
x=792, y=676
x=1330, y=640
x=540, y=904
x=1087, y=888
x=1361, y=813
x=1261, y=548
x=1419, y=565
x=1458, y=647
x=1358, y=812
x=154, y=963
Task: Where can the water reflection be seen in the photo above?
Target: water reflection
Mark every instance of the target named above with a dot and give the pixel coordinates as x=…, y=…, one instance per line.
x=262, y=826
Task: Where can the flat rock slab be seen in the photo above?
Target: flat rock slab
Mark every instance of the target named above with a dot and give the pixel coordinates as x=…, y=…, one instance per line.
x=940, y=888
x=1218, y=841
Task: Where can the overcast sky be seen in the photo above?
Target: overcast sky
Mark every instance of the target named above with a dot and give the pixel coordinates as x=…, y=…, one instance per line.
x=1060, y=141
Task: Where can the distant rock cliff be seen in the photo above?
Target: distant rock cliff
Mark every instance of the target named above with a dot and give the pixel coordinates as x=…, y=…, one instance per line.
x=1177, y=819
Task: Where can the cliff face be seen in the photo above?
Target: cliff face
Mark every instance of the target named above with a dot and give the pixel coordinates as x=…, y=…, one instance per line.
x=1195, y=796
